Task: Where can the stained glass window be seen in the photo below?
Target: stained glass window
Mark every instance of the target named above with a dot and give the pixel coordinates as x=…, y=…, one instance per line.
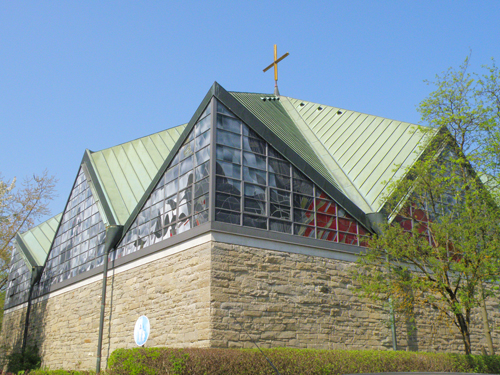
x=19, y=280
x=257, y=187
x=78, y=246
x=418, y=215
x=180, y=200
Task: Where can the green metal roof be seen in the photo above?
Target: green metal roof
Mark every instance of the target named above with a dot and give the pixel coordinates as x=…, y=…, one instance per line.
x=35, y=243
x=363, y=152
x=125, y=171
x=358, y=154
x=272, y=114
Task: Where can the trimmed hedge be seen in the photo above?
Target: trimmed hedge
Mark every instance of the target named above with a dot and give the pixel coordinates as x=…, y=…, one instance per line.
x=158, y=361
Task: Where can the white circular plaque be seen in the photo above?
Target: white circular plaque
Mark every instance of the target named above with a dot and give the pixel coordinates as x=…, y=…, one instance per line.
x=141, y=330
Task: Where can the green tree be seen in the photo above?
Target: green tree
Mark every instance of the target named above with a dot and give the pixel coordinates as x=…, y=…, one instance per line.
x=21, y=207
x=440, y=243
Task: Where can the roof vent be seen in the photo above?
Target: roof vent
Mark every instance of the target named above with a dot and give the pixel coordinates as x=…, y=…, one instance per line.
x=302, y=104
x=264, y=98
x=339, y=112
x=320, y=108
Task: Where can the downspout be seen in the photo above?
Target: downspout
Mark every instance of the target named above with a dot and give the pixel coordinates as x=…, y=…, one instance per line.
x=113, y=235
x=36, y=273
x=375, y=220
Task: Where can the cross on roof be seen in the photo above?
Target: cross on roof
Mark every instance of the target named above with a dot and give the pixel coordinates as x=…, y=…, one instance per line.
x=275, y=64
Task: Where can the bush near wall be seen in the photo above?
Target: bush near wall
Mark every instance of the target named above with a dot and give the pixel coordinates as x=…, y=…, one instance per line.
x=156, y=361
x=160, y=361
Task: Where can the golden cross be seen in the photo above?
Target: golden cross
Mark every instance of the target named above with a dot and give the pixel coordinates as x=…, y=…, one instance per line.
x=275, y=64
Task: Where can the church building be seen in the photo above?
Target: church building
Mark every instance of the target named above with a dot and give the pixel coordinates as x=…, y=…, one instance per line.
x=240, y=225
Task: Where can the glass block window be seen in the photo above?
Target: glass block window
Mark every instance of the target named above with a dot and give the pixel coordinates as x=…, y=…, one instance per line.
x=256, y=187
x=180, y=200
x=18, y=283
x=79, y=243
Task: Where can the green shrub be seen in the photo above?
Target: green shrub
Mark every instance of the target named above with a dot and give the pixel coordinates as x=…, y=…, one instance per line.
x=156, y=361
x=29, y=360
x=59, y=372
x=151, y=361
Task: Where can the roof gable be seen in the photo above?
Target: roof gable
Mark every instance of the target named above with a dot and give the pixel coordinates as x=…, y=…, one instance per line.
x=272, y=122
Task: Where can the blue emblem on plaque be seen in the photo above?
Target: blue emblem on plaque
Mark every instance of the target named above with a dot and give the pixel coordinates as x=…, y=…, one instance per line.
x=141, y=330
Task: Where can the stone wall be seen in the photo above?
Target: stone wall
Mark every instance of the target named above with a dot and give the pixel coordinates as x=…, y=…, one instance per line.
x=12, y=330
x=221, y=295
x=295, y=300
x=172, y=291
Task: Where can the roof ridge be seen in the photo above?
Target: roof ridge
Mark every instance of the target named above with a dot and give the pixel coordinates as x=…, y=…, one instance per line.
x=146, y=136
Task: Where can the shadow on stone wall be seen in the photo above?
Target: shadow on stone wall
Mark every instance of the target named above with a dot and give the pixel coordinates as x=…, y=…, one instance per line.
x=411, y=325
x=36, y=329
x=411, y=334
x=14, y=325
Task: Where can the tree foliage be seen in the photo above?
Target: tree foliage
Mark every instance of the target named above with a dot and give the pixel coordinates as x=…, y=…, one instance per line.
x=21, y=207
x=441, y=241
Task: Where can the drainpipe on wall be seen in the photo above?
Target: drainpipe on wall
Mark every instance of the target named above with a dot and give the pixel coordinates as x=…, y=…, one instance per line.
x=113, y=235
x=36, y=272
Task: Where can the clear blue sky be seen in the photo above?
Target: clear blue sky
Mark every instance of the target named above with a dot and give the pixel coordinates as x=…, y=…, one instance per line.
x=93, y=74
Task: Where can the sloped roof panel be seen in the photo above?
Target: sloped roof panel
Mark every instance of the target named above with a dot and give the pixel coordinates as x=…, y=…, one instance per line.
x=152, y=150
x=365, y=152
x=126, y=170
x=124, y=166
x=144, y=156
x=137, y=164
x=38, y=240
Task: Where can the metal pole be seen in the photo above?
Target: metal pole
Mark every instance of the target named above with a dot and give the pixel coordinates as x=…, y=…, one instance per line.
x=27, y=323
x=36, y=272
x=113, y=234
x=101, y=318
